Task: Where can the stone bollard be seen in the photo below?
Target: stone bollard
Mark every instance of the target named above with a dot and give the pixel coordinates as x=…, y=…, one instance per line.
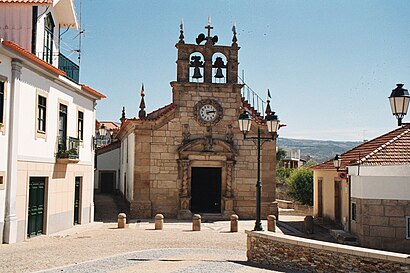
x=159, y=221
x=122, y=220
x=309, y=227
x=196, y=222
x=272, y=223
x=274, y=209
x=234, y=223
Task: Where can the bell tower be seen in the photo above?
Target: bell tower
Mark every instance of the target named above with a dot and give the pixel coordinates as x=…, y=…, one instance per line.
x=206, y=61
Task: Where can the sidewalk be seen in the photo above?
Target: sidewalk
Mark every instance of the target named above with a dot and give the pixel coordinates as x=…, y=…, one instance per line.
x=102, y=247
x=139, y=245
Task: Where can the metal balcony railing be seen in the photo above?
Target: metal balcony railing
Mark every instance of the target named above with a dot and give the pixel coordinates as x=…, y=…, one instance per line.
x=68, y=148
x=252, y=98
x=69, y=67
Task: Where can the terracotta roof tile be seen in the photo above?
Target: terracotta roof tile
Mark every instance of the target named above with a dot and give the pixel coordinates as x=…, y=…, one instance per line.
x=395, y=152
x=38, y=2
x=92, y=91
x=16, y=48
x=391, y=148
x=110, y=125
x=154, y=115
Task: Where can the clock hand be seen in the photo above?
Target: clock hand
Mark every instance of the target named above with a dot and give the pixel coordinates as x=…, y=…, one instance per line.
x=209, y=112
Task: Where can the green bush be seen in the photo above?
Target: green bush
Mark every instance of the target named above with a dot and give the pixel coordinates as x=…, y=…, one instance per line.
x=282, y=174
x=300, y=184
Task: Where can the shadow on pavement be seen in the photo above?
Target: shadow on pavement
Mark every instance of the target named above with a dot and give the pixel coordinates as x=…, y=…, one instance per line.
x=108, y=206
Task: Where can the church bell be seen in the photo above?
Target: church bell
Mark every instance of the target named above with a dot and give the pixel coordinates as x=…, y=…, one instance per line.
x=219, y=73
x=197, y=73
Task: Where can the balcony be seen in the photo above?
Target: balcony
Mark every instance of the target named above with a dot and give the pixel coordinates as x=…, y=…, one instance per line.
x=69, y=67
x=68, y=151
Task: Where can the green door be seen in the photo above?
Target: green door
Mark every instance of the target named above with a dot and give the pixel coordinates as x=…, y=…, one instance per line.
x=36, y=206
x=77, y=200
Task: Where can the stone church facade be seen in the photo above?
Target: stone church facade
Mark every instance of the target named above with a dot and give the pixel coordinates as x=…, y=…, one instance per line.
x=190, y=156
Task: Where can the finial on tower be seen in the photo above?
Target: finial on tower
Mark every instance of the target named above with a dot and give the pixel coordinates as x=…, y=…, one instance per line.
x=123, y=118
x=234, y=39
x=142, y=113
x=268, y=110
x=210, y=40
x=181, y=31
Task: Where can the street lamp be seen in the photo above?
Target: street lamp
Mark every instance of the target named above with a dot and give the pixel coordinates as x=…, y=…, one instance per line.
x=272, y=123
x=399, y=102
x=337, y=162
x=102, y=131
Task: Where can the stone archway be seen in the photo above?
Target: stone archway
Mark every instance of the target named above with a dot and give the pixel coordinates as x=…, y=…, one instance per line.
x=196, y=154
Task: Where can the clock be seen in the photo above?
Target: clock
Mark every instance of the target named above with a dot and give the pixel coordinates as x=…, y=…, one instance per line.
x=208, y=112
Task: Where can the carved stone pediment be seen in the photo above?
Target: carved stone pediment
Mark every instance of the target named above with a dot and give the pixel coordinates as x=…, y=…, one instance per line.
x=208, y=146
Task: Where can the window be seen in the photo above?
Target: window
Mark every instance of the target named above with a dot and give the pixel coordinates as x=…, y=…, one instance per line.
x=1, y=102
x=408, y=227
x=42, y=113
x=62, y=128
x=80, y=125
x=48, y=38
x=354, y=212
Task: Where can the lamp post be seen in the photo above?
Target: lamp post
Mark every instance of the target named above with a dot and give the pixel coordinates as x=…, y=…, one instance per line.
x=399, y=102
x=272, y=123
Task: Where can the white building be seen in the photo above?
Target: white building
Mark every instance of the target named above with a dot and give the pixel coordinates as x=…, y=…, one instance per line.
x=47, y=122
x=370, y=195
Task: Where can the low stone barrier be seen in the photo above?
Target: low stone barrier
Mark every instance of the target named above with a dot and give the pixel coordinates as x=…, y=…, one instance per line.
x=234, y=223
x=295, y=253
x=159, y=222
x=196, y=222
x=122, y=220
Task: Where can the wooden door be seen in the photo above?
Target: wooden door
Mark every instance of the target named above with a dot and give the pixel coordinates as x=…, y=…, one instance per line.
x=320, y=198
x=206, y=190
x=36, y=206
x=77, y=200
x=338, y=199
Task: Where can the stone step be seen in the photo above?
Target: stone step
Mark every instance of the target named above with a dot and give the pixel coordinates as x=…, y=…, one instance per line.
x=344, y=237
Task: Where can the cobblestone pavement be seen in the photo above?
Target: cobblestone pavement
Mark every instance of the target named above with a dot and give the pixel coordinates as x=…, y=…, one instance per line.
x=101, y=247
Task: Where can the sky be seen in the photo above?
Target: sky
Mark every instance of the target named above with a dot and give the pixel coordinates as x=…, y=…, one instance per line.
x=329, y=65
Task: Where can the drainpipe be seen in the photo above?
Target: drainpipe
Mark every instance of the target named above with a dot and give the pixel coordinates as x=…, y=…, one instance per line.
x=10, y=219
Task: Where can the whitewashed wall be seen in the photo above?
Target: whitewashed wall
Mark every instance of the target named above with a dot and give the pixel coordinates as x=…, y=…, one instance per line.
x=32, y=148
x=5, y=73
x=127, y=166
x=381, y=182
x=109, y=161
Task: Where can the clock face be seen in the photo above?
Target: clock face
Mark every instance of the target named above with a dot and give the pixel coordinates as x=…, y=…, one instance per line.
x=208, y=113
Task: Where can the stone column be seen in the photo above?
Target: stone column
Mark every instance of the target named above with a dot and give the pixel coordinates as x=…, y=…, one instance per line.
x=10, y=219
x=184, y=184
x=229, y=170
x=228, y=196
x=184, y=198
x=208, y=68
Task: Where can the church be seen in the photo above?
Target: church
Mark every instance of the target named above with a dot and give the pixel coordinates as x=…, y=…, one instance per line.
x=190, y=156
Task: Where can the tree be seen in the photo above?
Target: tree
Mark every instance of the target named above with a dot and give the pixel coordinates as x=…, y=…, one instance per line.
x=280, y=154
x=282, y=173
x=300, y=184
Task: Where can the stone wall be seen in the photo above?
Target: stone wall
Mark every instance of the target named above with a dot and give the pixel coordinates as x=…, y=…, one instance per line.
x=381, y=224
x=168, y=147
x=294, y=253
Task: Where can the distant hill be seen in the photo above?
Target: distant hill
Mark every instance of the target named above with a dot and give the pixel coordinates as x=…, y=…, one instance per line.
x=318, y=150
